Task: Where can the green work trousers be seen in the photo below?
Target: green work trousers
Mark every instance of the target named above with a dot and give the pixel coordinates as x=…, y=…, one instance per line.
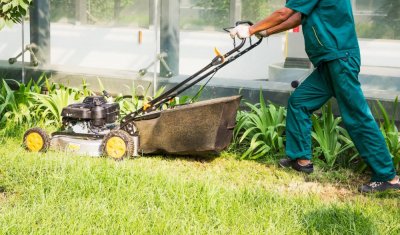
x=337, y=78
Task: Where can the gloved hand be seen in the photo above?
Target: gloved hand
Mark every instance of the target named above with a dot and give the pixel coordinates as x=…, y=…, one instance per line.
x=241, y=31
x=262, y=34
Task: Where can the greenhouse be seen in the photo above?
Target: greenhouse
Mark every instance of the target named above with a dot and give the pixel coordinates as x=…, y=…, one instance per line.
x=160, y=117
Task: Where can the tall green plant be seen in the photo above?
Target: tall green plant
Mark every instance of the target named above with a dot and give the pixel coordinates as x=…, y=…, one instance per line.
x=261, y=129
x=332, y=140
x=389, y=130
x=14, y=105
x=133, y=101
x=48, y=107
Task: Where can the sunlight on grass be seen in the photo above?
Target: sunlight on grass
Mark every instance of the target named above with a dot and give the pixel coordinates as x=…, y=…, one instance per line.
x=60, y=193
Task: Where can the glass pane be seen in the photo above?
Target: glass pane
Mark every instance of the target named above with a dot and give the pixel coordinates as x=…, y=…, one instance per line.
x=255, y=10
x=102, y=34
x=102, y=12
x=11, y=45
x=201, y=30
x=204, y=14
x=379, y=19
x=62, y=11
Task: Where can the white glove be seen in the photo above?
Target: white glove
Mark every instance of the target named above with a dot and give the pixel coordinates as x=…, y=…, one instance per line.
x=241, y=31
x=262, y=34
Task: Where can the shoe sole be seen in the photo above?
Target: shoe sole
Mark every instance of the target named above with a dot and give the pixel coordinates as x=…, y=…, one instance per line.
x=378, y=191
x=283, y=166
x=304, y=171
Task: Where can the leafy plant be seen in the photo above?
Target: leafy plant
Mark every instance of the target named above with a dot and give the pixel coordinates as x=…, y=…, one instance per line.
x=332, y=140
x=14, y=105
x=48, y=107
x=390, y=132
x=187, y=99
x=133, y=102
x=85, y=88
x=261, y=129
x=11, y=11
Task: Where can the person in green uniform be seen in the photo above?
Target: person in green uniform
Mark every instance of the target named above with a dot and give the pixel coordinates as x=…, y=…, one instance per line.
x=332, y=46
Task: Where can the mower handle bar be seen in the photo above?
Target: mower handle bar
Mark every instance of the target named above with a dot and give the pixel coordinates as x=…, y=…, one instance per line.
x=218, y=62
x=238, y=23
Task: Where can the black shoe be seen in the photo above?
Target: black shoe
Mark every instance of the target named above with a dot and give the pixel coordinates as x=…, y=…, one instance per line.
x=287, y=162
x=378, y=187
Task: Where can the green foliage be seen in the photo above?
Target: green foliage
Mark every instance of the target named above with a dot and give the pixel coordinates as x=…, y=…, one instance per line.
x=133, y=102
x=27, y=106
x=262, y=129
x=332, y=140
x=14, y=105
x=389, y=130
x=187, y=99
x=49, y=107
x=260, y=132
x=11, y=11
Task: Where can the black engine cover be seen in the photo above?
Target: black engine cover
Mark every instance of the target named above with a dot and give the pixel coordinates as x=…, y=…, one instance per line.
x=94, y=108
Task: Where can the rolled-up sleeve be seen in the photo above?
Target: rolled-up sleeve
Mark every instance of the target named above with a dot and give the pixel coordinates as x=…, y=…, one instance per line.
x=303, y=6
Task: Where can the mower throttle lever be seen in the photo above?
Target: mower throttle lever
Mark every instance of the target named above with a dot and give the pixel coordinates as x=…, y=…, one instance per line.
x=219, y=58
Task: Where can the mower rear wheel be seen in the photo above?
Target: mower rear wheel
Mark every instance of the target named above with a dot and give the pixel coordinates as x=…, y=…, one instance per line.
x=117, y=145
x=36, y=140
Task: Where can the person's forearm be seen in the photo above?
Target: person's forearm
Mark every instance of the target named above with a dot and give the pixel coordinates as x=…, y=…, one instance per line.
x=293, y=21
x=275, y=19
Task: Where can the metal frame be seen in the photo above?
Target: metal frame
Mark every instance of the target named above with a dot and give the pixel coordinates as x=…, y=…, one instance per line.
x=216, y=64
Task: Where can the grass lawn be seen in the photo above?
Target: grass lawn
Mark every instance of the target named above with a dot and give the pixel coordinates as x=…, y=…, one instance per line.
x=57, y=193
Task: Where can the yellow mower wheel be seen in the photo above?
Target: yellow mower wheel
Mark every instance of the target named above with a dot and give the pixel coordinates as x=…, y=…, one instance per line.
x=36, y=140
x=117, y=145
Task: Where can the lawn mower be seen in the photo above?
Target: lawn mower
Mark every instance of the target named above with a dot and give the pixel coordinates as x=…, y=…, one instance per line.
x=204, y=127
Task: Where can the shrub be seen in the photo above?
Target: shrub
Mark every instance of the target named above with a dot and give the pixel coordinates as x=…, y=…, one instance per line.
x=261, y=129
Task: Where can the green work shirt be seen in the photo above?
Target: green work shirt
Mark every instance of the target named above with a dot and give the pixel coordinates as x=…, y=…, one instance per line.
x=328, y=29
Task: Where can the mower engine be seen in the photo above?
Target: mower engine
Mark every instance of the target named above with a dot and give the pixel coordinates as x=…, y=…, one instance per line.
x=93, y=116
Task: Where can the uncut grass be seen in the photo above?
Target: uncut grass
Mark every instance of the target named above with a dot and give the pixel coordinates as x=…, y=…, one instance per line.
x=59, y=193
